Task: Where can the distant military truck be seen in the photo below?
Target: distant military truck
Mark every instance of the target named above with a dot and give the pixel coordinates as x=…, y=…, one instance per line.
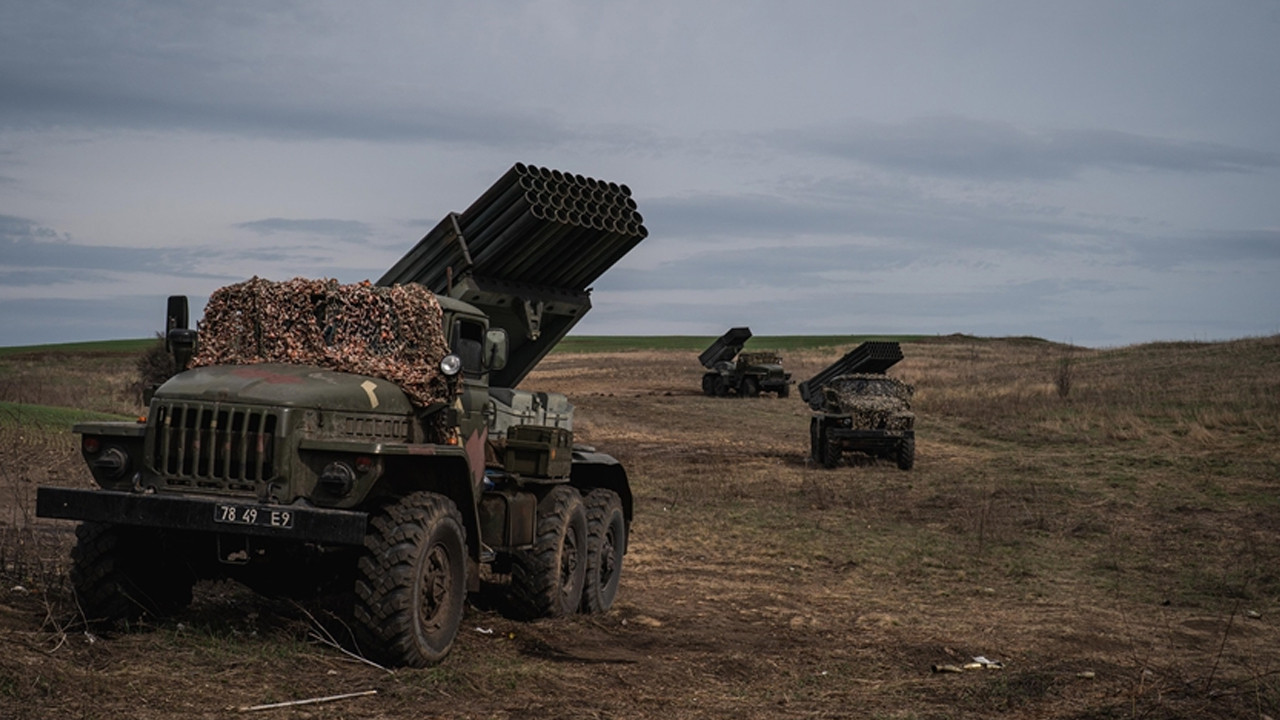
x=857, y=408
x=745, y=374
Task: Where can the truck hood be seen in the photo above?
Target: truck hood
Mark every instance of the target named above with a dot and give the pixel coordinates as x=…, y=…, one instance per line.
x=302, y=386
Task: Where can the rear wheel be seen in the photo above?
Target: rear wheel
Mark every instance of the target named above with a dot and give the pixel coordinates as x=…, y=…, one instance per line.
x=606, y=543
x=907, y=453
x=721, y=386
x=411, y=580
x=547, y=579
x=120, y=573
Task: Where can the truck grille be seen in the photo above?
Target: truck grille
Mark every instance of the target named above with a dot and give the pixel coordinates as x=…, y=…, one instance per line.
x=212, y=446
x=381, y=428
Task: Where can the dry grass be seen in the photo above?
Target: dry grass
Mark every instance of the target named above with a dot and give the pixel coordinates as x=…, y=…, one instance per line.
x=1117, y=547
x=95, y=381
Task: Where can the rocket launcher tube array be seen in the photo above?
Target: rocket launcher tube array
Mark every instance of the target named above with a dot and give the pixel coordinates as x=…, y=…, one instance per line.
x=726, y=347
x=526, y=253
x=869, y=357
x=534, y=225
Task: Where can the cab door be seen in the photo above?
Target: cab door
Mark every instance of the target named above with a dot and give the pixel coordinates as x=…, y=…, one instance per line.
x=468, y=345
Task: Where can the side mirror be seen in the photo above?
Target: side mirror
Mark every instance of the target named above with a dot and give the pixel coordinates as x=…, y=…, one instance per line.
x=182, y=344
x=175, y=319
x=495, y=348
x=179, y=338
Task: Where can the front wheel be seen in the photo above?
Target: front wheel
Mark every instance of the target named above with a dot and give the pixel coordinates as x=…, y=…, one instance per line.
x=907, y=453
x=606, y=543
x=411, y=580
x=817, y=440
x=119, y=573
x=709, y=384
x=831, y=450
x=547, y=579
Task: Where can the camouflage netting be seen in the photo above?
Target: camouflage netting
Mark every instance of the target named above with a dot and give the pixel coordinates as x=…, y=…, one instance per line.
x=761, y=357
x=873, y=400
x=394, y=333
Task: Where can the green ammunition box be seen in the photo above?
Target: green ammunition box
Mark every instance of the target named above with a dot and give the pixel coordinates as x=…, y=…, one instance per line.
x=539, y=451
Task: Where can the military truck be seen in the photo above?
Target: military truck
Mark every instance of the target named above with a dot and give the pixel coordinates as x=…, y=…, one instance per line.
x=745, y=374
x=857, y=408
x=305, y=479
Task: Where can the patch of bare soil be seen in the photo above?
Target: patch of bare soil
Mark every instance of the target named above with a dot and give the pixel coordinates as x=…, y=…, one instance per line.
x=756, y=586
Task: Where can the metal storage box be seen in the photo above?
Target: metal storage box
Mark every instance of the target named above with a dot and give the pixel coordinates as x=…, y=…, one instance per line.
x=539, y=451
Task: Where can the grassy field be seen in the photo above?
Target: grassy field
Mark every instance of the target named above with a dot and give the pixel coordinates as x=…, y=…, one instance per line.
x=1104, y=523
x=571, y=344
x=99, y=347
x=698, y=343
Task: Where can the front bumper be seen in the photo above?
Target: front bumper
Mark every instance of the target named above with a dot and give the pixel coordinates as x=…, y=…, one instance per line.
x=201, y=514
x=865, y=440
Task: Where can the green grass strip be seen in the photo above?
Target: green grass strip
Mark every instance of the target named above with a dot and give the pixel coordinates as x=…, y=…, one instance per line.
x=47, y=417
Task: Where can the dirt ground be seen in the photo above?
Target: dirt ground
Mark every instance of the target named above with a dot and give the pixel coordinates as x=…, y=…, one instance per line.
x=758, y=585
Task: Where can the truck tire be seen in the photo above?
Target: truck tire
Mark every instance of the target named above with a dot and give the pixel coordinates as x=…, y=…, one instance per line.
x=709, y=384
x=547, y=579
x=119, y=573
x=907, y=453
x=750, y=387
x=785, y=390
x=411, y=580
x=606, y=543
x=816, y=440
x=721, y=386
x=830, y=452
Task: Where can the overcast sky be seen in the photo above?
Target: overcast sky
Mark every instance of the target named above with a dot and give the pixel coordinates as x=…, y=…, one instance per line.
x=1097, y=172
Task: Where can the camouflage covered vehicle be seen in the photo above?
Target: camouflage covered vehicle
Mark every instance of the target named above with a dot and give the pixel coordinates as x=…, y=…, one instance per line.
x=745, y=374
x=857, y=408
x=369, y=442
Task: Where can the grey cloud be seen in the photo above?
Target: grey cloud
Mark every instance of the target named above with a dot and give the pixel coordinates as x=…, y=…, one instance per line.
x=245, y=68
x=963, y=147
x=28, y=245
x=243, y=111
x=14, y=229
x=1243, y=248
x=1109, y=148
x=741, y=215
x=782, y=264
x=35, y=255
x=1249, y=245
x=837, y=207
x=319, y=226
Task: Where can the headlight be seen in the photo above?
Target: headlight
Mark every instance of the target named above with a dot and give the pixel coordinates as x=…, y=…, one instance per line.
x=112, y=463
x=450, y=364
x=338, y=478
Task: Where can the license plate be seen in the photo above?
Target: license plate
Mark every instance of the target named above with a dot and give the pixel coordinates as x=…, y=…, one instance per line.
x=253, y=515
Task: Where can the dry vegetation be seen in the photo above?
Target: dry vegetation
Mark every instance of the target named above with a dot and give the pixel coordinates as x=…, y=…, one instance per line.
x=1111, y=535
